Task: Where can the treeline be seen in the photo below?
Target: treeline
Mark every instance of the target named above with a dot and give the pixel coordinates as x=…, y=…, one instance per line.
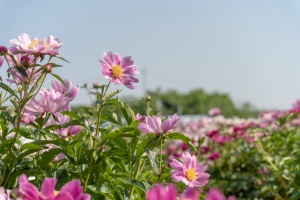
x=194, y=102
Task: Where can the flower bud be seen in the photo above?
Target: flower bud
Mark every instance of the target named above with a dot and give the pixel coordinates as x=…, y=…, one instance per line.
x=47, y=68
x=3, y=50
x=96, y=84
x=25, y=61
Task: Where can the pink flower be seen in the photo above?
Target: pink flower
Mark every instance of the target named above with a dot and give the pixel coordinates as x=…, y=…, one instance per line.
x=71, y=191
x=119, y=70
x=189, y=172
x=214, y=156
x=1, y=61
x=3, y=50
x=4, y=195
x=214, y=111
x=28, y=44
x=161, y=192
x=156, y=126
x=18, y=78
x=215, y=194
x=140, y=117
x=67, y=89
x=63, y=119
x=49, y=102
x=190, y=194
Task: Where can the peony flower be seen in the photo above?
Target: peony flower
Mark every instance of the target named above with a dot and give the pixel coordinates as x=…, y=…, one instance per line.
x=189, y=172
x=63, y=119
x=161, y=192
x=67, y=89
x=214, y=156
x=190, y=194
x=215, y=194
x=71, y=191
x=28, y=44
x=49, y=102
x=156, y=126
x=214, y=112
x=4, y=195
x=119, y=70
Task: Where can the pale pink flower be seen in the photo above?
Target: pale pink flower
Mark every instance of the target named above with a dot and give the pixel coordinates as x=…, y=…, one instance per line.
x=71, y=191
x=65, y=89
x=162, y=192
x=18, y=78
x=214, y=111
x=156, y=126
x=28, y=44
x=4, y=195
x=49, y=102
x=63, y=119
x=119, y=70
x=189, y=172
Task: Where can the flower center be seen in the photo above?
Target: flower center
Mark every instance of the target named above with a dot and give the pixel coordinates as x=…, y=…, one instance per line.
x=191, y=174
x=117, y=71
x=56, y=192
x=34, y=42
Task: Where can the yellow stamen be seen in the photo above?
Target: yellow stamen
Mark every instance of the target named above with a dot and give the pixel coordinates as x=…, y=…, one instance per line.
x=56, y=192
x=117, y=71
x=191, y=174
x=34, y=42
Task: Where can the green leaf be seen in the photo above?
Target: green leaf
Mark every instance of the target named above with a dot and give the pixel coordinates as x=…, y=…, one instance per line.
x=48, y=156
x=30, y=146
x=8, y=89
x=185, y=139
x=152, y=155
x=71, y=114
x=103, y=190
x=135, y=183
x=22, y=71
x=62, y=59
x=58, y=78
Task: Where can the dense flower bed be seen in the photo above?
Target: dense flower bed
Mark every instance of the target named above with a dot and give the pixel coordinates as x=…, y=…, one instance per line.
x=50, y=152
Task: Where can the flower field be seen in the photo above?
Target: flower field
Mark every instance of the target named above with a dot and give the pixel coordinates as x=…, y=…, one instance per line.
x=49, y=152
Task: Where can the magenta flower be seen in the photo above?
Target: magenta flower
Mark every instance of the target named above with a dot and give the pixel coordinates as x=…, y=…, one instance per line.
x=189, y=172
x=67, y=89
x=28, y=44
x=190, y=194
x=156, y=126
x=215, y=194
x=3, y=50
x=161, y=192
x=214, y=156
x=119, y=70
x=71, y=191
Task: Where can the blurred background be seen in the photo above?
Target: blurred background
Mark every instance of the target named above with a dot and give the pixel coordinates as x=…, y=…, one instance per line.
x=194, y=55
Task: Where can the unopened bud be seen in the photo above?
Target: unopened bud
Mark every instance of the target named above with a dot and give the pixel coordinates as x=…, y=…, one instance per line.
x=3, y=50
x=25, y=61
x=47, y=68
x=96, y=84
x=148, y=98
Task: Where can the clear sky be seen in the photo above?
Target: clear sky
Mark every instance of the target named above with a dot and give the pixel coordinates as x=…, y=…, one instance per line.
x=248, y=49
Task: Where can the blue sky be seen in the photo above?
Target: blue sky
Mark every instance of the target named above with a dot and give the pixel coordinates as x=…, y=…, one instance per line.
x=248, y=49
